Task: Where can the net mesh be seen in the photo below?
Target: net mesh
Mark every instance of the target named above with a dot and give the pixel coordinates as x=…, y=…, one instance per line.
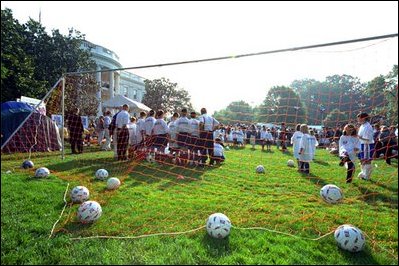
x=169, y=186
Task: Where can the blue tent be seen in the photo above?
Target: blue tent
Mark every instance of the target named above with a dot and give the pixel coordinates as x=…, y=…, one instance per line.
x=38, y=133
x=12, y=115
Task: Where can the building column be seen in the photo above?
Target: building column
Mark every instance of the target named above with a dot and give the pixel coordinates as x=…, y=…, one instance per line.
x=98, y=79
x=111, y=84
x=117, y=83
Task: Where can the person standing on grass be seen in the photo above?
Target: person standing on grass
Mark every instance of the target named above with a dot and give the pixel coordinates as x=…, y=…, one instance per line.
x=349, y=146
x=295, y=141
x=107, y=122
x=307, y=148
x=207, y=125
x=75, y=127
x=122, y=120
x=366, y=137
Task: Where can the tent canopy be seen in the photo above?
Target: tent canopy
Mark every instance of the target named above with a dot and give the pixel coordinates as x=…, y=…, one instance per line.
x=120, y=100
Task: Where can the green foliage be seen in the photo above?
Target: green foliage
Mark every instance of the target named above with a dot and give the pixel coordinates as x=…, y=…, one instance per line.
x=162, y=94
x=282, y=104
x=236, y=112
x=32, y=61
x=336, y=118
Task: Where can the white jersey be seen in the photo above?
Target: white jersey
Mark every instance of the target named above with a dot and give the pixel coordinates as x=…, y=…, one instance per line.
x=139, y=129
x=183, y=125
x=218, y=150
x=295, y=141
x=366, y=132
x=160, y=127
x=149, y=125
x=209, y=122
x=132, y=127
x=194, y=127
x=347, y=144
x=308, y=144
x=239, y=135
x=122, y=119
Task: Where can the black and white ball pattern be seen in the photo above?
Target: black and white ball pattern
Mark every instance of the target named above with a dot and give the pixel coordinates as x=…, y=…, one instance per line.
x=218, y=225
x=79, y=194
x=27, y=164
x=331, y=193
x=102, y=174
x=350, y=238
x=260, y=169
x=89, y=211
x=42, y=172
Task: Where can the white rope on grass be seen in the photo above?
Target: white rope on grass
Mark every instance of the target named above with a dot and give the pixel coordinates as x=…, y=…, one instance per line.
x=141, y=236
x=62, y=212
x=282, y=233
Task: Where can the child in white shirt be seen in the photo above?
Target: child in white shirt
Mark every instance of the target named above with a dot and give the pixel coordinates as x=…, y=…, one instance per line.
x=307, y=148
x=349, y=146
x=295, y=140
x=218, y=151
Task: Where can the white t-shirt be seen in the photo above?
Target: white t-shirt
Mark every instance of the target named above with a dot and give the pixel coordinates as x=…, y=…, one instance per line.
x=209, y=122
x=295, y=141
x=194, y=125
x=347, y=144
x=366, y=132
x=149, y=125
x=308, y=144
x=132, y=127
x=183, y=125
x=160, y=127
x=122, y=119
x=218, y=150
x=139, y=129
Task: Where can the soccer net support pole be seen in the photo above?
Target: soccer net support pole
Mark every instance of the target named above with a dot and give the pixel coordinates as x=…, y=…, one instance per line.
x=30, y=114
x=63, y=118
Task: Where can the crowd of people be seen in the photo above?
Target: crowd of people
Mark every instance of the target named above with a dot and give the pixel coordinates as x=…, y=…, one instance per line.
x=188, y=139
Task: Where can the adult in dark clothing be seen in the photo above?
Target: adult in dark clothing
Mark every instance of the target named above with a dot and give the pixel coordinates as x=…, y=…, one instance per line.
x=75, y=127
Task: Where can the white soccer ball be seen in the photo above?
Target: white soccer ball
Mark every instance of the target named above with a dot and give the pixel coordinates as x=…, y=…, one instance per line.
x=350, y=238
x=227, y=148
x=290, y=163
x=101, y=174
x=331, y=193
x=42, y=172
x=150, y=158
x=260, y=169
x=113, y=183
x=27, y=164
x=218, y=225
x=79, y=194
x=89, y=211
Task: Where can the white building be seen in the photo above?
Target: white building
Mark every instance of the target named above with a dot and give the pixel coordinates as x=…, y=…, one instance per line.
x=113, y=83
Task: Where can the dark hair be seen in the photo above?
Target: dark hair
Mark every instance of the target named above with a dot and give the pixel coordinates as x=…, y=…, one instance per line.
x=176, y=114
x=203, y=111
x=298, y=127
x=142, y=113
x=364, y=115
x=159, y=113
x=152, y=112
x=184, y=110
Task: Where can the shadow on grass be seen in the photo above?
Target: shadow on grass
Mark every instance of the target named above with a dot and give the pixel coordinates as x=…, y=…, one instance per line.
x=373, y=197
x=216, y=247
x=267, y=151
x=363, y=257
x=314, y=179
x=380, y=184
x=321, y=162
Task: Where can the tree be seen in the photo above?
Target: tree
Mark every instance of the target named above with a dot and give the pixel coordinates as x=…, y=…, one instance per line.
x=32, y=61
x=342, y=92
x=17, y=66
x=236, y=112
x=336, y=118
x=282, y=104
x=162, y=94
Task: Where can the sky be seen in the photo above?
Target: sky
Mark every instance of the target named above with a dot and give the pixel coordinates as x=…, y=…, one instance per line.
x=144, y=33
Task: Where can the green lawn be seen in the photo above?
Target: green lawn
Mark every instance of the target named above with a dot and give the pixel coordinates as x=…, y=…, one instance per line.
x=151, y=200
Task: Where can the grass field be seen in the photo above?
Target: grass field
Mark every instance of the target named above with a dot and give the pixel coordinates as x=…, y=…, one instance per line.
x=151, y=200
